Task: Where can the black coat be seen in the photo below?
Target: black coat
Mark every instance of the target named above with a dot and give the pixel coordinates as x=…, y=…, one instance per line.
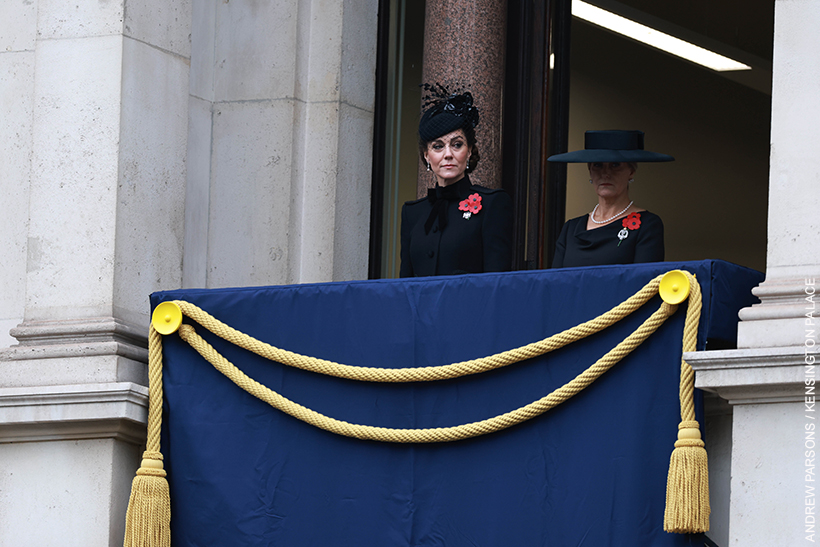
x=480, y=243
x=577, y=246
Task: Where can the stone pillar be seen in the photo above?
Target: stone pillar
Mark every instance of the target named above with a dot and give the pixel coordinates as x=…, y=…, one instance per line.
x=793, y=251
x=105, y=119
x=18, y=30
x=770, y=378
x=281, y=140
x=464, y=43
x=263, y=179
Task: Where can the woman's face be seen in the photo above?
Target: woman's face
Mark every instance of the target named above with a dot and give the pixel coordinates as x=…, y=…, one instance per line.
x=610, y=179
x=447, y=156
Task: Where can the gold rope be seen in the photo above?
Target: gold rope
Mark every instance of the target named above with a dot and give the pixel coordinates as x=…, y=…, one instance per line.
x=422, y=374
x=148, y=518
x=433, y=435
x=690, y=340
x=687, y=487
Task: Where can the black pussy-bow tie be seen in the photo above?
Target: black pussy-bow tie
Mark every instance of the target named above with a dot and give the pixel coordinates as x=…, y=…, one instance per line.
x=440, y=196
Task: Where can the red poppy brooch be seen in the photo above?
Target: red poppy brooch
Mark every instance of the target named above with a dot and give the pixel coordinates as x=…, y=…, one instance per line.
x=471, y=206
x=631, y=222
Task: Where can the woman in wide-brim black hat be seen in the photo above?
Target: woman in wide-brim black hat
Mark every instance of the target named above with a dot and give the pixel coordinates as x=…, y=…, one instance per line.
x=616, y=231
x=458, y=227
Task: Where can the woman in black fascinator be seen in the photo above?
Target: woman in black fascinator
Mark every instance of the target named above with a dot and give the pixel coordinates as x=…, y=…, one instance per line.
x=458, y=227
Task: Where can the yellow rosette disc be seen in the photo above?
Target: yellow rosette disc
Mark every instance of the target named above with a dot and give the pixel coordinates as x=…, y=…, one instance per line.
x=167, y=318
x=674, y=287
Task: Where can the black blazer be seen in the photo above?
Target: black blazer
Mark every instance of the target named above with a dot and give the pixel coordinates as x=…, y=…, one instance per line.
x=480, y=243
x=577, y=246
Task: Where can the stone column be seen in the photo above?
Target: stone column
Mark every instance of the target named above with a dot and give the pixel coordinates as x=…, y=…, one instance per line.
x=281, y=140
x=770, y=377
x=107, y=107
x=18, y=30
x=464, y=43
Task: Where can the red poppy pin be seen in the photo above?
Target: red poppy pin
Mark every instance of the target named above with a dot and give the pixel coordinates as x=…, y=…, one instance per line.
x=471, y=205
x=632, y=221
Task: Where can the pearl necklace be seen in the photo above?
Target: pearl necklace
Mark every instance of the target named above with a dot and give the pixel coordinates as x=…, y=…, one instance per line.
x=610, y=219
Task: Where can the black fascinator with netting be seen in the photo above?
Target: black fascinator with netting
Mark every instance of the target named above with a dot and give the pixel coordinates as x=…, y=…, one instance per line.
x=445, y=111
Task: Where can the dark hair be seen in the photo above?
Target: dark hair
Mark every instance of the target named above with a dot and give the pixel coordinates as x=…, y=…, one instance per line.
x=445, y=111
x=469, y=134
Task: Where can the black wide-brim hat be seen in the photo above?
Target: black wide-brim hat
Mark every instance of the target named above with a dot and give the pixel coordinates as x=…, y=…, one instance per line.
x=611, y=146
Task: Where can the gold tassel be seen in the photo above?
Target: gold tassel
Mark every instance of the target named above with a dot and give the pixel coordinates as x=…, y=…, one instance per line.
x=687, y=489
x=148, y=520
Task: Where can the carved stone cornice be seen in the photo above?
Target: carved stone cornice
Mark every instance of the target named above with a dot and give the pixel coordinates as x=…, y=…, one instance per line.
x=753, y=375
x=77, y=351
x=72, y=338
x=82, y=411
x=779, y=318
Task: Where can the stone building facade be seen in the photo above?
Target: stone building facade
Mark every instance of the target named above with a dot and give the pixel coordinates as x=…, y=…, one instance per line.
x=153, y=145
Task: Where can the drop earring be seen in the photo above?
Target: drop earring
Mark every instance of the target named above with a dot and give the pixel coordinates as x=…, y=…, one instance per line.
x=631, y=181
x=590, y=181
x=429, y=167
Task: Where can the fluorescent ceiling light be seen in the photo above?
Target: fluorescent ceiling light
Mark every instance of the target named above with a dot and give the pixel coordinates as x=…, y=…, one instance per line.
x=654, y=38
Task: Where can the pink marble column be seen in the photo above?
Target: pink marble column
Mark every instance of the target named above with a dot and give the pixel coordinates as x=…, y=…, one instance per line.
x=464, y=43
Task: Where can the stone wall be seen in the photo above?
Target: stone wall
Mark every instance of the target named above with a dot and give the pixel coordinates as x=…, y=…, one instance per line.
x=146, y=145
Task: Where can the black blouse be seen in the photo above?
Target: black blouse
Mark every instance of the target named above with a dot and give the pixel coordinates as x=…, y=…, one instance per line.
x=448, y=241
x=577, y=246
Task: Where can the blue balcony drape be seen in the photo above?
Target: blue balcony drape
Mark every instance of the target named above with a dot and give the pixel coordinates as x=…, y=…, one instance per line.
x=591, y=472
